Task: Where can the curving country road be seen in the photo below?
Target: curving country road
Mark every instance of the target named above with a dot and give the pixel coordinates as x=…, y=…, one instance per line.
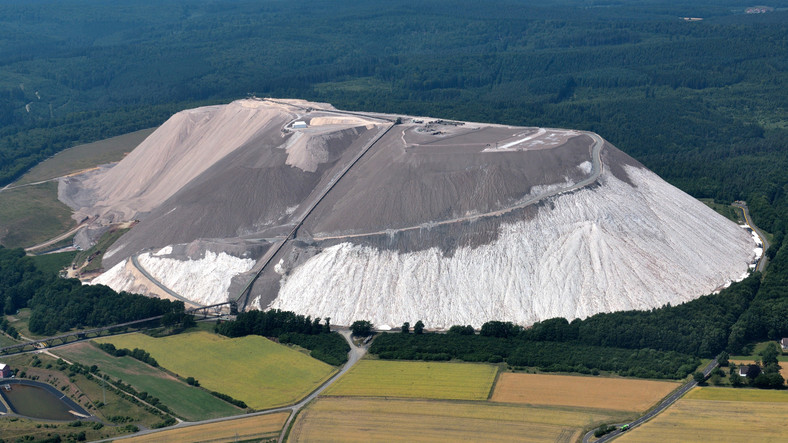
x=654, y=412
x=596, y=171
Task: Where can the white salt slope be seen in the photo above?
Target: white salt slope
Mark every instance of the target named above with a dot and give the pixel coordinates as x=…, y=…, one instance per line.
x=205, y=281
x=610, y=248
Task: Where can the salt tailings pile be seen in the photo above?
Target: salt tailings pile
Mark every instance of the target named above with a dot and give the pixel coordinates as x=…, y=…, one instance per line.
x=353, y=217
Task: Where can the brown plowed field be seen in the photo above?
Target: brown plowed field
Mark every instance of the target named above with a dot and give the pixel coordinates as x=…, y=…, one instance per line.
x=587, y=392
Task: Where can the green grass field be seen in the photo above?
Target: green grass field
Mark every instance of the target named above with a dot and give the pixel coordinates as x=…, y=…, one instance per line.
x=31, y=215
x=254, y=369
x=85, y=156
x=189, y=402
x=406, y=379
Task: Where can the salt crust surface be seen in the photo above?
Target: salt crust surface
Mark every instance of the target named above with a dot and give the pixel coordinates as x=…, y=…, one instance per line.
x=613, y=247
x=205, y=281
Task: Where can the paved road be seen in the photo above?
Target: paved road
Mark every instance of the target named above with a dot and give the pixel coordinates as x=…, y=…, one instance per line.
x=763, y=261
x=661, y=407
x=596, y=171
x=355, y=354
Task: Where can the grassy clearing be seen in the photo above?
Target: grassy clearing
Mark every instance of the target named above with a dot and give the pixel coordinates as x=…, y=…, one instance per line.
x=759, y=415
x=253, y=369
x=260, y=427
x=20, y=321
x=757, y=348
x=726, y=211
x=31, y=215
x=6, y=340
x=350, y=419
x=53, y=263
x=85, y=156
x=355, y=85
x=432, y=380
x=588, y=392
x=189, y=402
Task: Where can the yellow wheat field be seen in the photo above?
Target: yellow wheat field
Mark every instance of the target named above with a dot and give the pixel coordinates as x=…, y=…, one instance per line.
x=407, y=379
x=694, y=419
x=258, y=427
x=588, y=392
x=349, y=419
x=738, y=394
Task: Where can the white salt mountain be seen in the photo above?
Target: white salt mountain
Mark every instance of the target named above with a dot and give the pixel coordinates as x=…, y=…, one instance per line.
x=353, y=217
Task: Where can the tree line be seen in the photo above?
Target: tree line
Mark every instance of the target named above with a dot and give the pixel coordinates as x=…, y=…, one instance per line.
x=290, y=328
x=59, y=305
x=519, y=352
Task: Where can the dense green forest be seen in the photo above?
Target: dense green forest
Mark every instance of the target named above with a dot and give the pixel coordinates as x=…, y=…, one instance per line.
x=546, y=356
x=58, y=304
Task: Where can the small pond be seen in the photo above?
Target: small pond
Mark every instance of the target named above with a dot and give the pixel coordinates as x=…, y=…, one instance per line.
x=34, y=401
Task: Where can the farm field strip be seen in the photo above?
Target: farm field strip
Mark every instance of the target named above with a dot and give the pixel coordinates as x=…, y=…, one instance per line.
x=365, y=419
x=254, y=369
x=189, y=402
x=693, y=419
x=405, y=379
x=587, y=392
x=257, y=427
x=738, y=394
